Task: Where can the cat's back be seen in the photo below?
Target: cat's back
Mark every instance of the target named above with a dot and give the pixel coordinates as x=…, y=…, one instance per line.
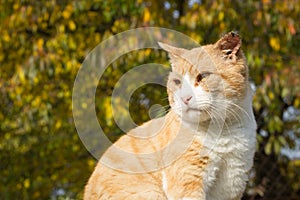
x=115, y=177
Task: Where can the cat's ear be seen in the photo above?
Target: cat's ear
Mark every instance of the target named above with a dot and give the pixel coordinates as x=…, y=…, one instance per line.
x=175, y=53
x=230, y=45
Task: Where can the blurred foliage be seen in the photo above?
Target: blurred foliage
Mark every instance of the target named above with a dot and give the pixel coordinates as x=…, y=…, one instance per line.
x=43, y=44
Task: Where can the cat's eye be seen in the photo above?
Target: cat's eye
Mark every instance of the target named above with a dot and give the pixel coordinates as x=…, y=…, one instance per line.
x=228, y=53
x=177, y=81
x=202, y=76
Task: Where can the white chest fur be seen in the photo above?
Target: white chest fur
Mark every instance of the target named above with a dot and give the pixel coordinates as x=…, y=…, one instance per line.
x=231, y=159
x=231, y=150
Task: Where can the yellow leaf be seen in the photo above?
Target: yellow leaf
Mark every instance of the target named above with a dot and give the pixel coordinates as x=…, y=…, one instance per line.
x=21, y=74
x=61, y=28
x=19, y=90
x=147, y=52
x=274, y=43
x=268, y=148
x=108, y=110
x=40, y=43
x=26, y=183
x=67, y=94
x=19, y=186
x=35, y=80
x=1, y=57
x=29, y=10
x=53, y=177
x=222, y=26
x=36, y=102
x=221, y=16
x=97, y=38
x=296, y=163
x=72, y=25
x=147, y=15
x=196, y=37
x=58, y=124
x=36, y=194
x=6, y=36
x=69, y=7
x=259, y=15
x=91, y=163
x=297, y=103
x=67, y=12
x=58, y=69
x=271, y=95
x=72, y=43
x=46, y=15
x=16, y=6
x=84, y=105
x=69, y=65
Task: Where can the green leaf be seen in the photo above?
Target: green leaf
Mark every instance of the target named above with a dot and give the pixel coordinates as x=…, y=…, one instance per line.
x=268, y=148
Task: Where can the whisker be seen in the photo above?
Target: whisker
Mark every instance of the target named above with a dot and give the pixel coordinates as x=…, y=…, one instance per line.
x=160, y=107
x=236, y=116
x=165, y=98
x=215, y=111
x=211, y=148
x=236, y=106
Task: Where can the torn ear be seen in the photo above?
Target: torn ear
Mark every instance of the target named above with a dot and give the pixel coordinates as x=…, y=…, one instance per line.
x=174, y=52
x=230, y=45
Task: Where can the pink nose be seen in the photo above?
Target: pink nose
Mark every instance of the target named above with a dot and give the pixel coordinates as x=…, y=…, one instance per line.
x=186, y=99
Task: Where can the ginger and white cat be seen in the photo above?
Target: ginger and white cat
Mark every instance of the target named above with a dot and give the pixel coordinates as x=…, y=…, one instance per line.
x=203, y=148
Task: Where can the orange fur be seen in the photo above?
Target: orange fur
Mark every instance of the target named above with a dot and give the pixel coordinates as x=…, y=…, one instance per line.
x=185, y=175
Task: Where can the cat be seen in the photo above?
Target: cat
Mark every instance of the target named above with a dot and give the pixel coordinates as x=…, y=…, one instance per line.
x=203, y=148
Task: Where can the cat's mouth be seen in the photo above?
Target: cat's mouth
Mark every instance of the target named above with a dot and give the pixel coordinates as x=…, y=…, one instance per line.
x=194, y=109
x=200, y=109
x=196, y=114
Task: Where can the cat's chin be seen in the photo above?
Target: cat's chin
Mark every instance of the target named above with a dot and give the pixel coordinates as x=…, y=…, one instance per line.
x=194, y=116
x=195, y=119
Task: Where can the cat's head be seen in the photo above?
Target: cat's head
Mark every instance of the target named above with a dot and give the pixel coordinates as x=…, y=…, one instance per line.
x=208, y=80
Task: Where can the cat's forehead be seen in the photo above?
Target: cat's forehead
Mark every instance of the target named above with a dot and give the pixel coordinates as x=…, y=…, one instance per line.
x=199, y=59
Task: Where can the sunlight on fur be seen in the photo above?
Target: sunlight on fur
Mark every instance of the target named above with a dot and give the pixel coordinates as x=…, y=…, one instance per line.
x=212, y=123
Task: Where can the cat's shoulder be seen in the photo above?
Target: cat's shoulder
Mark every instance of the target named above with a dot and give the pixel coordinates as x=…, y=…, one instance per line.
x=139, y=138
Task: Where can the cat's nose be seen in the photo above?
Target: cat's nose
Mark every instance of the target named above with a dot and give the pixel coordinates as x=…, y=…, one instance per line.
x=186, y=99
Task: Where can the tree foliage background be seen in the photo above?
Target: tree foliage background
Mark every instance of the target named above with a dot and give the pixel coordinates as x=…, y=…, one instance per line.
x=42, y=46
